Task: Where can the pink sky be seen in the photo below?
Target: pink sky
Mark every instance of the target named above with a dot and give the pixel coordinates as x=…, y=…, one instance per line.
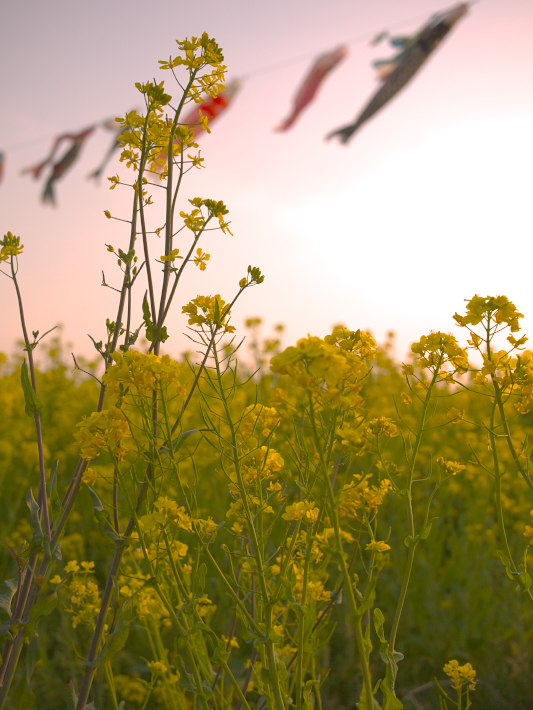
x=429, y=204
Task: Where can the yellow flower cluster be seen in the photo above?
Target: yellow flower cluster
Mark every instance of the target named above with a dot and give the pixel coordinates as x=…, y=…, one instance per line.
x=361, y=495
x=460, y=675
x=340, y=355
x=528, y=533
x=174, y=254
x=315, y=586
x=210, y=53
x=166, y=510
x=522, y=378
x=211, y=312
x=11, y=246
x=85, y=595
x=378, y=546
x=144, y=372
x=305, y=510
x=196, y=221
x=436, y=349
x=360, y=437
x=259, y=421
x=382, y=426
x=257, y=466
x=103, y=431
x=498, y=309
x=450, y=468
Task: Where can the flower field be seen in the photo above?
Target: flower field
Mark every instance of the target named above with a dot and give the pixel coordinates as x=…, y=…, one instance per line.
x=329, y=529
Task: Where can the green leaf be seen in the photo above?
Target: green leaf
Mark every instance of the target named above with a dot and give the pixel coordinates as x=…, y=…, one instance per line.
x=199, y=580
x=178, y=442
x=427, y=529
x=55, y=500
x=103, y=520
x=32, y=656
x=72, y=698
x=387, y=686
x=34, y=516
x=7, y=592
x=23, y=697
x=266, y=676
x=410, y=541
x=260, y=641
x=115, y=641
x=274, y=637
x=283, y=674
x=379, y=621
x=146, y=311
x=220, y=654
x=507, y=564
x=32, y=403
x=525, y=578
x=246, y=633
x=43, y=607
x=186, y=678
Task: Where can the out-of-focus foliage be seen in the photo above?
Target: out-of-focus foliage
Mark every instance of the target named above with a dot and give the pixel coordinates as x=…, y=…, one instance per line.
x=460, y=603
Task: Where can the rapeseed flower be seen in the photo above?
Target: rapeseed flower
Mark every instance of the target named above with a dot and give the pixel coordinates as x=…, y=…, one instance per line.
x=460, y=675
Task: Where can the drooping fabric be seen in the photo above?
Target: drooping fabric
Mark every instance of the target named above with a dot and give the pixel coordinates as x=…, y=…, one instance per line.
x=118, y=129
x=398, y=71
x=312, y=82
x=213, y=107
x=63, y=164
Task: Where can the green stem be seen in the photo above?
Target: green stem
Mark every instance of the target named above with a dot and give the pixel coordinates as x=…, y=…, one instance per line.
x=357, y=616
x=256, y=547
x=409, y=502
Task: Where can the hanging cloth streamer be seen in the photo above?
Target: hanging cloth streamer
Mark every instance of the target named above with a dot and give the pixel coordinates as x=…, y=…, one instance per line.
x=59, y=168
x=213, y=107
x=324, y=64
x=117, y=128
x=397, y=72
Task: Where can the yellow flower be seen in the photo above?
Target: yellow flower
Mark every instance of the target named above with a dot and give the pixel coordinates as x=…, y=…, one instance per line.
x=11, y=246
x=90, y=476
x=102, y=430
x=437, y=348
x=451, y=468
x=233, y=643
x=455, y=415
x=157, y=668
x=174, y=254
x=498, y=308
x=460, y=674
x=200, y=259
x=56, y=579
x=529, y=533
x=204, y=121
x=88, y=566
x=144, y=372
x=376, y=546
x=213, y=310
x=383, y=426
x=303, y=509
x=72, y=566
